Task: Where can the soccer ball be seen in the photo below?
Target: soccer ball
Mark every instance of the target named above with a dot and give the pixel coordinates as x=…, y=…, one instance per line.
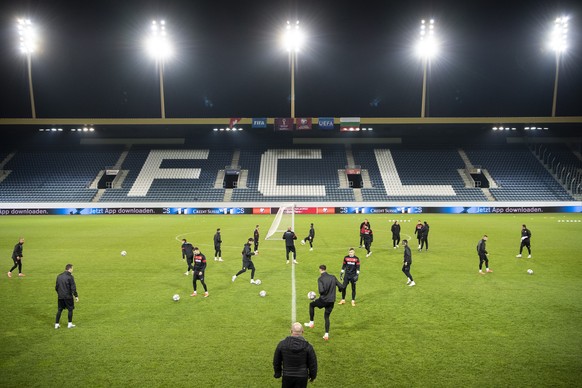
x=530, y=271
x=263, y=293
x=311, y=295
x=258, y=281
x=176, y=297
x=123, y=253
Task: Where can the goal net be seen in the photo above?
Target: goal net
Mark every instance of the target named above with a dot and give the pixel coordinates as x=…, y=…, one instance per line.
x=285, y=218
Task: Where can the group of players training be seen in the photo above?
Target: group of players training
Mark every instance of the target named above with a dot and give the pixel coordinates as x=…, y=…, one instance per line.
x=327, y=283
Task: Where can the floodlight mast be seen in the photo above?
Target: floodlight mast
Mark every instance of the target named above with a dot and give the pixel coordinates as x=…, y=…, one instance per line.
x=559, y=43
x=159, y=48
x=293, y=42
x=426, y=48
x=27, y=41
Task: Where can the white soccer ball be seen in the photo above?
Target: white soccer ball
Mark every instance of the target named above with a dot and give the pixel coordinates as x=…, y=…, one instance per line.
x=311, y=295
x=263, y=293
x=123, y=253
x=530, y=271
x=258, y=281
x=176, y=297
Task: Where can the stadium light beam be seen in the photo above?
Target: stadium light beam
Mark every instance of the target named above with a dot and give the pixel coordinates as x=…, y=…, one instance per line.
x=427, y=49
x=160, y=48
x=558, y=43
x=28, y=43
x=293, y=40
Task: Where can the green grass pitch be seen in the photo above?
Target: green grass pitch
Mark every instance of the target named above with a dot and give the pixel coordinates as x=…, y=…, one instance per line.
x=455, y=328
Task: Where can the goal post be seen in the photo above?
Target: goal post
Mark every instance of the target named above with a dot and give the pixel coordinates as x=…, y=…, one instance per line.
x=285, y=218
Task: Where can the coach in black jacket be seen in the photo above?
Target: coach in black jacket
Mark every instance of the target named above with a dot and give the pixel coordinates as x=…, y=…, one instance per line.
x=297, y=357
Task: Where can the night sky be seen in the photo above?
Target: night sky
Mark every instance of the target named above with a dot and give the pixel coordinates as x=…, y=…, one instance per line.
x=358, y=60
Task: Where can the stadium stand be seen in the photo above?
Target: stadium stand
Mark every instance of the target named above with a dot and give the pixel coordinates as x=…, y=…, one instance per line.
x=300, y=174
x=54, y=175
x=520, y=176
x=417, y=167
x=561, y=161
x=173, y=186
x=277, y=173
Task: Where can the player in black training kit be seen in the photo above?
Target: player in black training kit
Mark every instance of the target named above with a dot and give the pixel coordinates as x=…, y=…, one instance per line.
x=183, y=251
x=247, y=262
x=326, y=285
x=482, y=252
x=418, y=232
x=290, y=237
x=66, y=289
x=395, y=229
x=424, y=236
x=256, y=237
x=368, y=240
x=199, y=268
x=525, y=241
x=217, y=249
x=407, y=263
x=17, y=258
x=188, y=251
x=362, y=225
x=349, y=274
x=309, y=238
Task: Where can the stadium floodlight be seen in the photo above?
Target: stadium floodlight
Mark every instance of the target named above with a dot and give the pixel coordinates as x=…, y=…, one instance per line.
x=160, y=48
x=426, y=48
x=28, y=43
x=559, y=44
x=293, y=40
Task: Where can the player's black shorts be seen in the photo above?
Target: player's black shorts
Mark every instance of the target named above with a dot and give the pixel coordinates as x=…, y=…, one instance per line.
x=290, y=248
x=66, y=304
x=197, y=276
x=350, y=278
x=320, y=304
x=248, y=264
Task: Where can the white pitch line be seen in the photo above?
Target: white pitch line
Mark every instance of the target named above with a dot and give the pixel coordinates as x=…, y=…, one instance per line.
x=293, y=295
